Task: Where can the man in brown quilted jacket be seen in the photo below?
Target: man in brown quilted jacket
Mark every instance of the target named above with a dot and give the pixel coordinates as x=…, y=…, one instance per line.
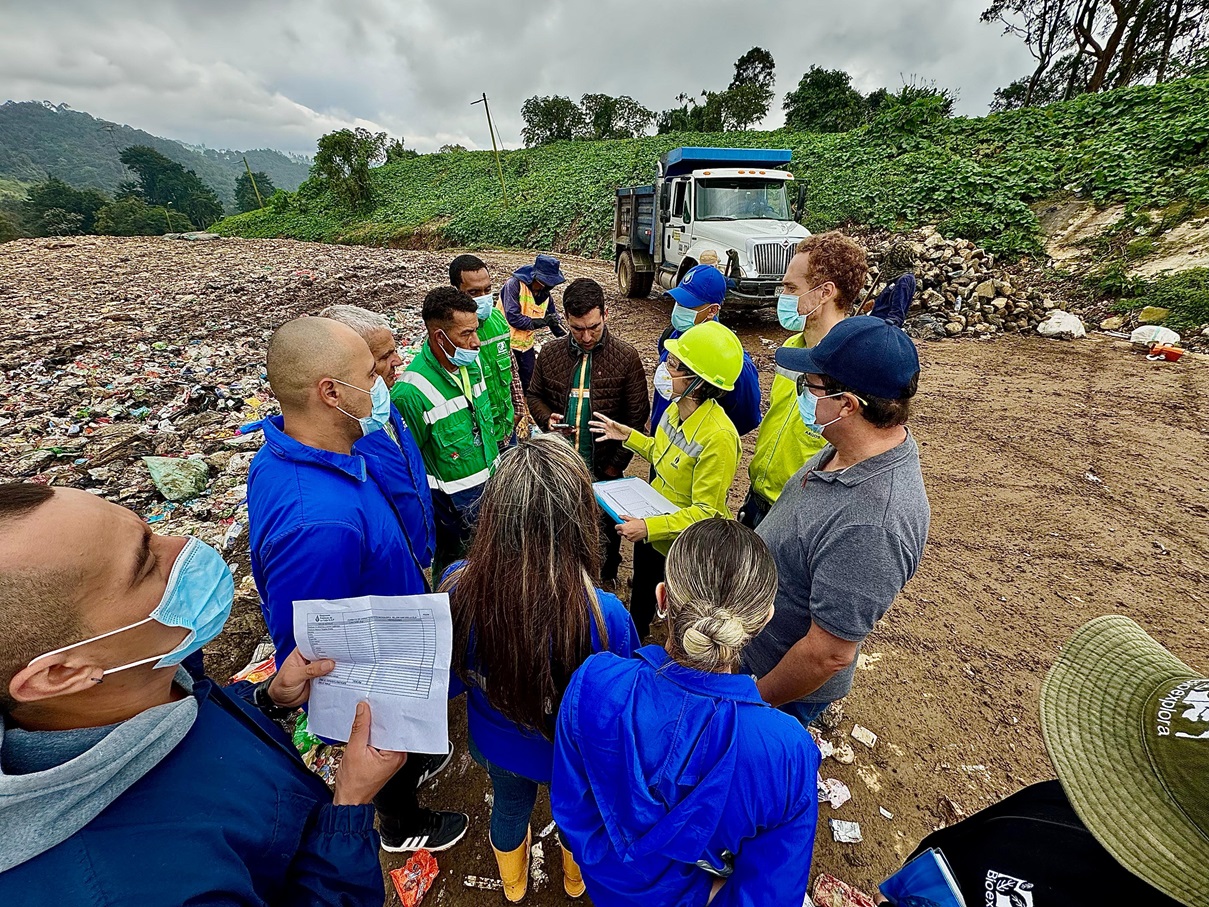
x=589, y=371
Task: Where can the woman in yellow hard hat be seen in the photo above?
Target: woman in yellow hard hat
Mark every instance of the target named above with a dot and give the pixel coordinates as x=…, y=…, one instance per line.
x=694, y=452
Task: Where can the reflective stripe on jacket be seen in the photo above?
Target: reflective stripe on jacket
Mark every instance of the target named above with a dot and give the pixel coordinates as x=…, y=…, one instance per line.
x=695, y=466
x=530, y=308
x=456, y=434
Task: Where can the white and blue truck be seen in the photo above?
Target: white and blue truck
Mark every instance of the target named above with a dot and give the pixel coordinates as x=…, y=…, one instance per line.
x=733, y=202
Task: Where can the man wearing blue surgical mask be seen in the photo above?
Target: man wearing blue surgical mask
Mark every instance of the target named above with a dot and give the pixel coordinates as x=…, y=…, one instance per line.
x=444, y=398
x=339, y=507
x=696, y=300
x=501, y=372
x=123, y=778
x=821, y=285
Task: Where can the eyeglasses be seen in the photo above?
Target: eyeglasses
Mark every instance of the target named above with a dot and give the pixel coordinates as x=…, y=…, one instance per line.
x=820, y=390
x=675, y=365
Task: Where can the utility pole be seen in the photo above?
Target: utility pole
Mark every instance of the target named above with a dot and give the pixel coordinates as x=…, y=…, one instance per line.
x=255, y=188
x=491, y=128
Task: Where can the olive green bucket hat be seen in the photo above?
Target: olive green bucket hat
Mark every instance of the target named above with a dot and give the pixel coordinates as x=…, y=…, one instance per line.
x=1126, y=724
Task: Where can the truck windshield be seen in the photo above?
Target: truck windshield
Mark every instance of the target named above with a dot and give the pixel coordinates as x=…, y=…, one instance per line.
x=741, y=199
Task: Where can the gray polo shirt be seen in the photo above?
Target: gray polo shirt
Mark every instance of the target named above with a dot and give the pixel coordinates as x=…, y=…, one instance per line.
x=845, y=543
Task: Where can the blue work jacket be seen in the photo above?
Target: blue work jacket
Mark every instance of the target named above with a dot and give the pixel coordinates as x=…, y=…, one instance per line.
x=518, y=749
x=325, y=525
x=229, y=816
x=742, y=404
x=659, y=768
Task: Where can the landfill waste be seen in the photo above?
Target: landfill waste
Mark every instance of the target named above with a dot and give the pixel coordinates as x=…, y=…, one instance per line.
x=831, y=892
x=1149, y=335
x=414, y=878
x=178, y=480
x=537, y=867
x=834, y=792
x=844, y=754
x=832, y=715
x=826, y=747
x=845, y=832
x=1062, y=326
x=886, y=814
x=482, y=883
x=545, y=832
x=321, y=758
x=864, y=735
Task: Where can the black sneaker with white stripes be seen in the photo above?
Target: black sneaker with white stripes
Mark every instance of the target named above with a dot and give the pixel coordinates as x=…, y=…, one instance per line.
x=437, y=831
x=433, y=765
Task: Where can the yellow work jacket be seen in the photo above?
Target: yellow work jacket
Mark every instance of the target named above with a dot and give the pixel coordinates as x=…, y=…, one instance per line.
x=695, y=464
x=783, y=444
x=530, y=308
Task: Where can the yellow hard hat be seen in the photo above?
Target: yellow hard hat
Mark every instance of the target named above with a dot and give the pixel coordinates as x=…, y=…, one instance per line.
x=712, y=352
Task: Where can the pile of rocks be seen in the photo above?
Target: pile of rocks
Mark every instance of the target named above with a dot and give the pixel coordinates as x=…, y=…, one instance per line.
x=959, y=292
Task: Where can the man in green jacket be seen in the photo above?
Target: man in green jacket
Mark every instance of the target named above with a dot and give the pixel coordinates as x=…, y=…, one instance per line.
x=469, y=274
x=444, y=400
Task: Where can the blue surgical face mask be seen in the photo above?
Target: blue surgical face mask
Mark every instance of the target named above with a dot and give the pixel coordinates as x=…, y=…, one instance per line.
x=485, y=304
x=461, y=357
x=806, y=409
x=198, y=597
x=787, y=310
x=379, y=397
x=683, y=318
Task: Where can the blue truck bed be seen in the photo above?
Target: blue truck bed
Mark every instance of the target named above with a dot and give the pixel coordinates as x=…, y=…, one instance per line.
x=680, y=161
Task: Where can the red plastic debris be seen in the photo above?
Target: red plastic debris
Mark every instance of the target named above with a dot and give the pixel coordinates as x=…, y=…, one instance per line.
x=414, y=878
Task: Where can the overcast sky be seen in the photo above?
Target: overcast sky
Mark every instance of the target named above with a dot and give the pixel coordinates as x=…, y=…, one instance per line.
x=240, y=75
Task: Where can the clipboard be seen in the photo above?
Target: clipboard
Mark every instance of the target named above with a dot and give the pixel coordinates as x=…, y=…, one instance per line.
x=631, y=496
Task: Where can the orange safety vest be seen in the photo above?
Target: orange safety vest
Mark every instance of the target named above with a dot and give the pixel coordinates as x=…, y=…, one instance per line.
x=530, y=308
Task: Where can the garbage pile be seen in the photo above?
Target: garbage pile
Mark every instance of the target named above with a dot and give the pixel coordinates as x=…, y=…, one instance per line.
x=127, y=366
x=960, y=291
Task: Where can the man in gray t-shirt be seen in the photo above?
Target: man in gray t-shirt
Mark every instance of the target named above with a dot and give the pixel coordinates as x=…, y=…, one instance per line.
x=848, y=531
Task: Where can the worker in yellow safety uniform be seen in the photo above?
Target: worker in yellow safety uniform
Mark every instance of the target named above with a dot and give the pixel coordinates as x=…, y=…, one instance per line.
x=694, y=451
x=822, y=283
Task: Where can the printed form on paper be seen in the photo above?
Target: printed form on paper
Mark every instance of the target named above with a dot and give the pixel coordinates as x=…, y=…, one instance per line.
x=394, y=652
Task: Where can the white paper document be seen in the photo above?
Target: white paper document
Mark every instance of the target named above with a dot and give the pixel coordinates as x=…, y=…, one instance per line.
x=631, y=496
x=392, y=651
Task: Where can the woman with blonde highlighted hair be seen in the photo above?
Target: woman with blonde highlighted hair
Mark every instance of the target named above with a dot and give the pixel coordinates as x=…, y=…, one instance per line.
x=526, y=614
x=674, y=782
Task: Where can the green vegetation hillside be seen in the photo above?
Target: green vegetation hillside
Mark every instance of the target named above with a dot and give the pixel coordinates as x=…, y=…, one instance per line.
x=38, y=140
x=976, y=178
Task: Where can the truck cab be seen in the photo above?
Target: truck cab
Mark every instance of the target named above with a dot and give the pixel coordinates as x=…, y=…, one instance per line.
x=732, y=202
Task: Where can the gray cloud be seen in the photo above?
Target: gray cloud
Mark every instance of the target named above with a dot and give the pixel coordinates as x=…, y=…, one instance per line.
x=278, y=74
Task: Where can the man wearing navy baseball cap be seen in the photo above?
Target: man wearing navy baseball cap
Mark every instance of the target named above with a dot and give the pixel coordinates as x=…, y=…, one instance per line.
x=698, y=299
x=849, y=527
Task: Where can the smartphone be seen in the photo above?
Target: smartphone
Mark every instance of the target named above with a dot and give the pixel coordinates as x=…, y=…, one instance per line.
x=562, y=428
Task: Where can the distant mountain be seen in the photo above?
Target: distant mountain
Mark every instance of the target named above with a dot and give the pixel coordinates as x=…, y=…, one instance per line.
x=39, y=139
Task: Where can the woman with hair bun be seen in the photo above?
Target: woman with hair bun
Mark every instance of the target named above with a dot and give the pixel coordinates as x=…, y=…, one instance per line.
x=674, y=782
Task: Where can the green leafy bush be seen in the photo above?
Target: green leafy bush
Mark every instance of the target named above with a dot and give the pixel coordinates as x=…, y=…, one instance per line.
x=1185, y=294
x=1146, y=146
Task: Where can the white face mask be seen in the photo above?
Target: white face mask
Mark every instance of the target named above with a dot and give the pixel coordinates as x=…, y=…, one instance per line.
x=663, y=381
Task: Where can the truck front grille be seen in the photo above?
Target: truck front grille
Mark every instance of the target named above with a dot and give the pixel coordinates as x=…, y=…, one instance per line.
x=771, y=258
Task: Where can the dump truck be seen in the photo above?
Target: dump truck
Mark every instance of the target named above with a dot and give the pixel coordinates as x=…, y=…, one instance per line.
x=733, y=202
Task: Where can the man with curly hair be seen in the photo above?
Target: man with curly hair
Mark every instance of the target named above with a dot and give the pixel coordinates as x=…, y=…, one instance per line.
x=821, y=286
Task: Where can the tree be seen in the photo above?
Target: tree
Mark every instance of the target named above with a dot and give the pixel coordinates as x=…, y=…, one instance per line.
x=1094, y=45
x=245, y=192
x=749, y=95
x=162, y=181
x=8, y=227
x=452, y=148
x=706, y=115
x=131, y=216
x=607, y=117
x=57, y=209
x=396, y=152
x=342, y=165
x=824, y=101
x=551, y=119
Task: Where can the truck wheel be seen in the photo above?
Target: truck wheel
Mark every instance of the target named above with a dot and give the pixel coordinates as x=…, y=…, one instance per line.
x=631, y=282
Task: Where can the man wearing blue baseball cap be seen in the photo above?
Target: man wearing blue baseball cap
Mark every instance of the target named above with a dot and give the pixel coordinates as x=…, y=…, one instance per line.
x=528, y=305
x=849, y=527
x=698, y=299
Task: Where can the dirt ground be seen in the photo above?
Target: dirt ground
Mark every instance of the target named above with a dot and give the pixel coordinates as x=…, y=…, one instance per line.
x=1067, y=480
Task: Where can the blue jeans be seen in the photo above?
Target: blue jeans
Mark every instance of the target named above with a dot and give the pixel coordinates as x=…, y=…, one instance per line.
x=805, y=712
x=513, y=799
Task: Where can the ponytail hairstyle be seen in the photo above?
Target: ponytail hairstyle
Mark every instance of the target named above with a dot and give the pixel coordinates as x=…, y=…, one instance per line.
x=720, y=582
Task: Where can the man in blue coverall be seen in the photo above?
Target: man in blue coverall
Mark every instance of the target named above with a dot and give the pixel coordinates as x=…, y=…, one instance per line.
x=124, y=779
x=339, y=507
x=698, y=299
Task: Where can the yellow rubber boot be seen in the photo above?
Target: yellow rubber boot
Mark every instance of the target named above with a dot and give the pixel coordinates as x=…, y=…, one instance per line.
x=514, y=870
x=573, y=880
